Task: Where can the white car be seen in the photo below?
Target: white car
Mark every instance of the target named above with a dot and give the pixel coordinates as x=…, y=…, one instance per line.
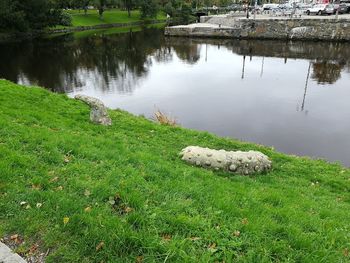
x=321, y=9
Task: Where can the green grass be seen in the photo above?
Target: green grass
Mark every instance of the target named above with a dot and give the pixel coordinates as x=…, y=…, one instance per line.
x=51, y=154
x=109, y=17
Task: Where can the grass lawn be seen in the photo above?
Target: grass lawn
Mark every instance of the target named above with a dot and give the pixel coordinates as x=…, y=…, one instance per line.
x=109, y=17
x=87, y=193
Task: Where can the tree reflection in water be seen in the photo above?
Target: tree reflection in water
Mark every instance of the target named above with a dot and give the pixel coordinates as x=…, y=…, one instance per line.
x=120, y=62
x=327, y=72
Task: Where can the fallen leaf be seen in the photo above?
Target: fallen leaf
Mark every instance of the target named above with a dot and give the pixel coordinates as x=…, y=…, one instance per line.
x=65, y=220
x=166, y=237
x=59, y=188
x=23, y=203
x=33, y=248
x=14, y=237
x=87, y=209
x=236, y=233
x=212, y=247
x=127, y=209
x=36, y=186
x=100, y=246
x=55, y=179
x=38, y=205
x=346, y=252
x=194, y=238
x=28, y=206
x=139, y=259
x=87, y=193
x=245, y=221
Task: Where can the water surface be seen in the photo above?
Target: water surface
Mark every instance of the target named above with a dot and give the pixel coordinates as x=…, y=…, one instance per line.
x=294, y=96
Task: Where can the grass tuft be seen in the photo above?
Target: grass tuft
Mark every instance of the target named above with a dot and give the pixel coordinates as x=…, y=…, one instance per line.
x=164, y=119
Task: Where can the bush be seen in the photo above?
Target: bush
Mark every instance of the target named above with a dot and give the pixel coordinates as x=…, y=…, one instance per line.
x=66, y=19
x=183, y=16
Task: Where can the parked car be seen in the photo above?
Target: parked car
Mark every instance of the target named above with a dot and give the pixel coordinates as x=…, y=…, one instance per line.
x=342, y=8
x=347, y=3
x=321, y=9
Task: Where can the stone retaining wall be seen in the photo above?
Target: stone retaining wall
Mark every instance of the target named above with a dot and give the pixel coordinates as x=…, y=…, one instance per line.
x=298, y=29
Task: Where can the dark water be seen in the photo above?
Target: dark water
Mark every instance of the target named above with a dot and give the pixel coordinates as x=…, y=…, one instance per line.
x=293, y=96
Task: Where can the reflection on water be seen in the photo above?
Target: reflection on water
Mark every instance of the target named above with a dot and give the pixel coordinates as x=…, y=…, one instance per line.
x=290, y=95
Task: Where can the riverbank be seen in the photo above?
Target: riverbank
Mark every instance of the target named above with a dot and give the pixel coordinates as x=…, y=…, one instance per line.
x=90, y=21
x=266, y=27
x=60, y=175
x=111, y=18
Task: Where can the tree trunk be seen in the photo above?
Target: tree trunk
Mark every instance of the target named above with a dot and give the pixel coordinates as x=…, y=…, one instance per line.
x=100, y=12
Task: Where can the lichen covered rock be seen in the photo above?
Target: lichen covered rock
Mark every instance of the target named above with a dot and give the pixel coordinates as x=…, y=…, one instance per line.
x=244, y=163
x=98, y=112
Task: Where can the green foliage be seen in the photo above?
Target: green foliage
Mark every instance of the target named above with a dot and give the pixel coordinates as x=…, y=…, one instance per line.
x=149, y=8
x=182, y=16
x=125, y=186
x=24, y=15
x=66, y=19
x=169, y=9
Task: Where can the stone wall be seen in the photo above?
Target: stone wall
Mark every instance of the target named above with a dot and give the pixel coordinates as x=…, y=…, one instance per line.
x=272, y=28
x=202, y=31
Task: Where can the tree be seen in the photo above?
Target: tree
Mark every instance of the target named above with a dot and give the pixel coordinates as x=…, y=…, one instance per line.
x=149, y=9
x=25, y=15
x=101, y=4
x=129, y=5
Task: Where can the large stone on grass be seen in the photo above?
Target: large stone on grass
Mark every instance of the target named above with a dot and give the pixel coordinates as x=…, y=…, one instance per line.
x=244, y=163
x=98, y=112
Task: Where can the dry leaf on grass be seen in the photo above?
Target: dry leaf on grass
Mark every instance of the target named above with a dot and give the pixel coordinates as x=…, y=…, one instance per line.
x=100, y=246
x=212, y=247
x=245, y=221
x=139, y=259
x=55, y=179
x=166, y=237
x=236, y=233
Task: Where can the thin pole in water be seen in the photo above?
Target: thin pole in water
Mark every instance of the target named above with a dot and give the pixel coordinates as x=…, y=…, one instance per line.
x=306, y=85
x=262, y=67
x=243, y=67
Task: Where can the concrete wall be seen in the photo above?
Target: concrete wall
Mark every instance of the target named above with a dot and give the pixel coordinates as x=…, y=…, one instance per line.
x=303, y=29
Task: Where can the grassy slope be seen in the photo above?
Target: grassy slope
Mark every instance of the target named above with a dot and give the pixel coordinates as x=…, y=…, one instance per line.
x=109, y=17
x=297, y=213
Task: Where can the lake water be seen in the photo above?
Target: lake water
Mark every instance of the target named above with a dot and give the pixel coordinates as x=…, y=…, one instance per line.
x=294, y=96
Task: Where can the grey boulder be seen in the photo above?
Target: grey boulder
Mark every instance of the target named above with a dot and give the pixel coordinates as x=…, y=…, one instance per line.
x=98, y=113
x=239, y=162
